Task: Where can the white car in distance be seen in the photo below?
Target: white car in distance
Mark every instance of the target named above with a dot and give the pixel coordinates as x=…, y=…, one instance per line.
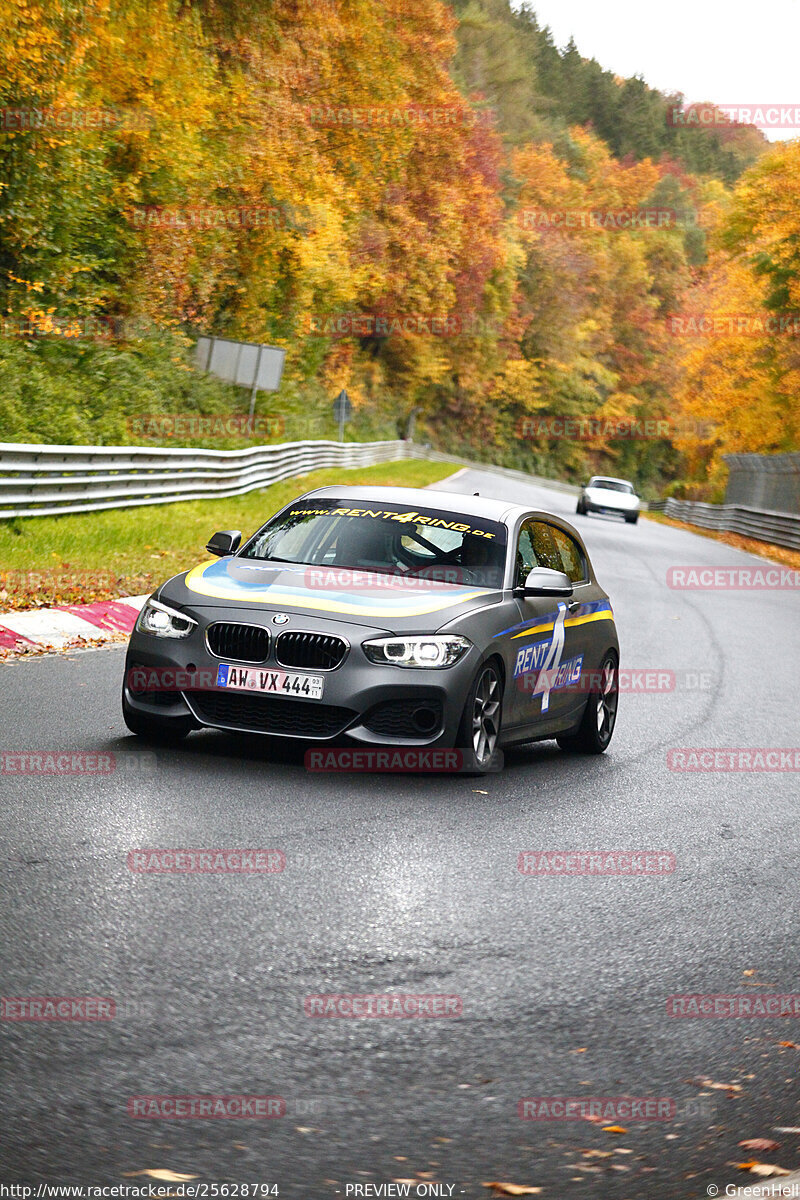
x=604, y=494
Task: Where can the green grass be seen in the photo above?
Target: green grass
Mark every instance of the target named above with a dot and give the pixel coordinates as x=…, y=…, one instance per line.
x=124, y=552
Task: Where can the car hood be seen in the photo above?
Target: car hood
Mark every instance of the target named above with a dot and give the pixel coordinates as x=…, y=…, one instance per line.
x=356, y=597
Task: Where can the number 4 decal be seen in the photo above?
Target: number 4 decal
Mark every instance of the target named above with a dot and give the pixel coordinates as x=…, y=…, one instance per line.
x=551, y=664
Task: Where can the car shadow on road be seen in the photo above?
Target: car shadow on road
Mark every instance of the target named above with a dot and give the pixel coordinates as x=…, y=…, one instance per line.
x=213, y=748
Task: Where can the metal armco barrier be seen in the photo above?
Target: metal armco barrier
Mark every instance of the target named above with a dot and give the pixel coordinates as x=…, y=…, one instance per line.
x=781, y=529
x=38, y=481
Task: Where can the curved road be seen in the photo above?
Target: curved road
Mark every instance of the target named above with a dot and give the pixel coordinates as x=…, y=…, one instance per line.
x=409, y=884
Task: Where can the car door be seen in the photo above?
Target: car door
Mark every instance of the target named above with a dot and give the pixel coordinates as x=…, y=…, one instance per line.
x=542, y=647
x=580, y=656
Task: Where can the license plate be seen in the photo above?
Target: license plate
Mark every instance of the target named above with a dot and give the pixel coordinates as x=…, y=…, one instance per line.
x=280, y=683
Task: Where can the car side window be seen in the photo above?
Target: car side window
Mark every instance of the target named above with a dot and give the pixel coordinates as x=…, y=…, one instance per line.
x=526, y=555
x=547, y=552
x=536, y=548
x=571, y=556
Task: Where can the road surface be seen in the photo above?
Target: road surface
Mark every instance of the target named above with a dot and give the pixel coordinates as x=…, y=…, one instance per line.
x=408, y=884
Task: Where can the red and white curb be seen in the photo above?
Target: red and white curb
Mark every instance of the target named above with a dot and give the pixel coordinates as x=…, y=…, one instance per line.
x=69, y=624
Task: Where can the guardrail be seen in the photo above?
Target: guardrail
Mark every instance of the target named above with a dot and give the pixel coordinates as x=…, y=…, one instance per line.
x=780, y=529
x=37, y=481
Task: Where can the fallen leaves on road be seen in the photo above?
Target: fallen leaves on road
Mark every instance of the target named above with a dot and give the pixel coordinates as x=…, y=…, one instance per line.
x=704, y=1081
x=614, y=1129
x=791, y=1045
x=161, y=1173
x=762, y=1169
x=513, y=1189
x=597, y=1153
x=760, y=1144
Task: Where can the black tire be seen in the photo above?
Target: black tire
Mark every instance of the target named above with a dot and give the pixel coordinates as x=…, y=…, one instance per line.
x=631, y=520
x=580, y=510
x=479, y=731
x=163, y=731
x=594, y=733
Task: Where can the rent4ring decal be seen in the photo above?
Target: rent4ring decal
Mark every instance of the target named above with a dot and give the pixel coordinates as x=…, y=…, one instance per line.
x=545, y=657
x=404, y=518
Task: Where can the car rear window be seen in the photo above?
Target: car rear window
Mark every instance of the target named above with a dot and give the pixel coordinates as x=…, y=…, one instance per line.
x=428, y=543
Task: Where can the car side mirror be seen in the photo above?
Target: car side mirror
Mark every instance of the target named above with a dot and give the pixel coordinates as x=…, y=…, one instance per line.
x=542, y=581
x=226, y=541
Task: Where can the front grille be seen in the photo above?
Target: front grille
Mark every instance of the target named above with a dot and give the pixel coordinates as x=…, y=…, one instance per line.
x=310, y=651
x=245, y=643
x=399, y=719
x=271, y=714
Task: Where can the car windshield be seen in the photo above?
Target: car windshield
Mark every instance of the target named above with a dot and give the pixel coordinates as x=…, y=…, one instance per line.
x=612, y=485
x=426, y=543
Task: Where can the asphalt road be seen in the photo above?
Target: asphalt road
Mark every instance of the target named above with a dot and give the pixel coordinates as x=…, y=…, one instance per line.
x=409, y=884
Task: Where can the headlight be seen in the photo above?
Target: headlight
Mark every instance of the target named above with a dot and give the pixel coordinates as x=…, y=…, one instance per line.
x=433, y=650
x=158, y=619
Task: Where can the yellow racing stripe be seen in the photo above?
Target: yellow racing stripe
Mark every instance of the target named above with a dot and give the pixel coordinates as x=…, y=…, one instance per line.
x=605, y=615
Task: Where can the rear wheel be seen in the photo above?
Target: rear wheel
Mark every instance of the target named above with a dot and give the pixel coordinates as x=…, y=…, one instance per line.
x=163, y=730
x=600, y=715
x=479, y=732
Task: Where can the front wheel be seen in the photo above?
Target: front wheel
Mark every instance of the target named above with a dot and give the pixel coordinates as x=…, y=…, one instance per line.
x=479, y=732
x=600, y=715
x=580, y=510
x=632, y=520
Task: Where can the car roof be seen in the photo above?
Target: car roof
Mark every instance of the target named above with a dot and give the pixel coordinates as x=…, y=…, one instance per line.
x=613, y=479
x=458, y=502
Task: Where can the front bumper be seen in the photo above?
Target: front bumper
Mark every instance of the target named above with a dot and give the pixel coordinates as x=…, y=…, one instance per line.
x=370, y=704
x=610, y=508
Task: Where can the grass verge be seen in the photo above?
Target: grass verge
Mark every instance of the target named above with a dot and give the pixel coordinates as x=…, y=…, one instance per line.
x=83, y=557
